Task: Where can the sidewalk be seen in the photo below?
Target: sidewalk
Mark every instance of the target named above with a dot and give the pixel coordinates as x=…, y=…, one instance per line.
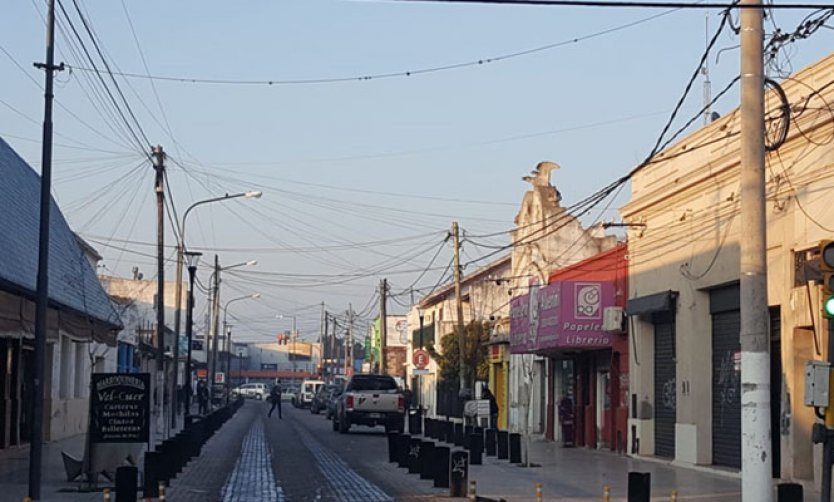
x=14, y=472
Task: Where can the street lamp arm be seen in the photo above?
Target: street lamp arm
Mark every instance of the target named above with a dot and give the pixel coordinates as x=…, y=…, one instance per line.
x=248, y=195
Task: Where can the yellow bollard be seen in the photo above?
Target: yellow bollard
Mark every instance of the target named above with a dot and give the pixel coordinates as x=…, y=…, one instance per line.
x=539, y=492
x=161, y=491
x=606, y=494
x=674, y=497
x=106, y=494
x=473, y=490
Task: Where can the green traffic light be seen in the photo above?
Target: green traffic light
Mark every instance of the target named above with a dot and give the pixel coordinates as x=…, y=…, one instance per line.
x=828, y=306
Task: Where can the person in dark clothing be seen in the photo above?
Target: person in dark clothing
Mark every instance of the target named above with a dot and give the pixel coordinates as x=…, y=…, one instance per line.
x=202, y=397
x=493, y=407
x=275, y=397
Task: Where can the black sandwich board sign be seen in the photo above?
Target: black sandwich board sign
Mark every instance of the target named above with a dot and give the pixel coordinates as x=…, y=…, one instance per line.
x=120, y=405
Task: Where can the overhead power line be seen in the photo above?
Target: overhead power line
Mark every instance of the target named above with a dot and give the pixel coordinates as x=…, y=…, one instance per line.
x=634, y=5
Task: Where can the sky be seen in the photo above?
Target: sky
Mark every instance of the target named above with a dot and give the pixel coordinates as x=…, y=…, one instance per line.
x=361, y=177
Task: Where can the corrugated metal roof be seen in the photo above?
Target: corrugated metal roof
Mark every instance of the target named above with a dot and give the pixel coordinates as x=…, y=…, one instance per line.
x=72, y=281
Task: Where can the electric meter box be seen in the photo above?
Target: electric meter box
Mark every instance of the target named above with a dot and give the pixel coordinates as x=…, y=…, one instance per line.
x=816, y=383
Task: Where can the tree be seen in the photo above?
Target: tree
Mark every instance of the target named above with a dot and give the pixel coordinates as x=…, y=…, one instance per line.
x=476, y=335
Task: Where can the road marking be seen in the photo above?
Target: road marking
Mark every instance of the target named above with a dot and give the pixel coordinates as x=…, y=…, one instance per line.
x=347, y=484
x=252, y=479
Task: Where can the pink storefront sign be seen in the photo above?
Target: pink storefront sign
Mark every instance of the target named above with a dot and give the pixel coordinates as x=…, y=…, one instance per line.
x=562, y=315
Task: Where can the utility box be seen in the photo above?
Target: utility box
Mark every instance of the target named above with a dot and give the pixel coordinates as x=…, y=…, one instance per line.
x=816, y=383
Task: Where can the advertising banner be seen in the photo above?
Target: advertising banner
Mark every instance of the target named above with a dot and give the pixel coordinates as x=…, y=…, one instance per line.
x=120, y=407
x=562, y=315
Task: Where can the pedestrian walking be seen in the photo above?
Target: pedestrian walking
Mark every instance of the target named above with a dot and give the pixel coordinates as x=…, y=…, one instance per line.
x=493, y=407
x=275, y=397
x=202, y=397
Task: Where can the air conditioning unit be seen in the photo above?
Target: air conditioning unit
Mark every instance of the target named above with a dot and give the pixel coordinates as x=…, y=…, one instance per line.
x=612, y=319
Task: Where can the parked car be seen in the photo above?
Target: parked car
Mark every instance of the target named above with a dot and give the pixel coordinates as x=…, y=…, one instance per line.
x=370, y=400
x=251, y=390
x=305, y=393
x=322, y=397
x=330, y=406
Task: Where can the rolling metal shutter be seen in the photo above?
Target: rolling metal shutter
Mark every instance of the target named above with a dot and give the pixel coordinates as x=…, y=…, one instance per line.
x=665, y=385
x=726, y=377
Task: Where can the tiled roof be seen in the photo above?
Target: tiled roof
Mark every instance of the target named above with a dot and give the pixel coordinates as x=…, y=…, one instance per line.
x=72, y=281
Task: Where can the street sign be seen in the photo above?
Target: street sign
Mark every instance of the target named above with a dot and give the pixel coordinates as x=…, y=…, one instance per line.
x=219, y=377
x=420, y=358
x=418, y=371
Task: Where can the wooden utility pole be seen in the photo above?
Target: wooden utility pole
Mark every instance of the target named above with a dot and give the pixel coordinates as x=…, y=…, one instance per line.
x=383, y=326
x=322, y=334
x=459, y=308
x=215, y=321
x=756, y=476
x=42, y=302
x=349, y=344
x=159, y=187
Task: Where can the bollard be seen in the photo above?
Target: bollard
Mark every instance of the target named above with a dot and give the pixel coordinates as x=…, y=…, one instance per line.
x=473, y=490
x=414, y=446
x=489, y=442
x=639, y=487
x=126, y=481
x=427, y=460
x=789, y=492
x=441, y=467
x=606, y=494
x=538, y=492
x=458, y=473
x=402, y=450
x=106, y=494
x=458, y=434
x=674, y=497
x=392, y=446
x=476, y=449
x=467, y=433
x=503, y=440
x=151, y=477
x=161, y=491
x=515, y=448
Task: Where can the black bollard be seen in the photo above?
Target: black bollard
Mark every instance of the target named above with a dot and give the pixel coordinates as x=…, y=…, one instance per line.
x=458, y=473
x=515, y=448
x=639, y=487
x=415, y=423
x=789, y=492
x=441, y=467
x=392, y=446
x=458, y=434
x=429, y=425
x=490, y=443
x=467, y=432
x=414, y=446
x=427, y=460
x=476, y=450
x=127, y=477
x=402, y=450
x=503, y=441
x=150, y=488
x=482, y=432
x=448, y=432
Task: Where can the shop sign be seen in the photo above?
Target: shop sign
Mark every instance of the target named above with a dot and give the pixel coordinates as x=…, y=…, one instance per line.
x=561, y=315
x=120, y=407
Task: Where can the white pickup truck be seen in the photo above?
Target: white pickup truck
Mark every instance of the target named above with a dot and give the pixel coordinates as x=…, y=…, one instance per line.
x=370, y=400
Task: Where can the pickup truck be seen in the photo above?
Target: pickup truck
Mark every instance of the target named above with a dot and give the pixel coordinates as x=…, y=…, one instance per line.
x=370, y=400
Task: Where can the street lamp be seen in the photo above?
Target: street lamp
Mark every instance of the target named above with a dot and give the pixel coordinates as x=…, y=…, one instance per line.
x=193, y=258
x=178, y=298
x=228, y=331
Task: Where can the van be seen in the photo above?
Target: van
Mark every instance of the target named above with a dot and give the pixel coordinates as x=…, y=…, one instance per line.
x=306, y=392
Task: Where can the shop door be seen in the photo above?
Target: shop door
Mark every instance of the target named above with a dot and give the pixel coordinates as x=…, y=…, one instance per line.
x=726, y=377
x=665, y=385
x=500, y=393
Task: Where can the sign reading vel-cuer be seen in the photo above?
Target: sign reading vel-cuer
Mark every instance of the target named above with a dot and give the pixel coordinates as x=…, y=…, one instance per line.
x=120, y=407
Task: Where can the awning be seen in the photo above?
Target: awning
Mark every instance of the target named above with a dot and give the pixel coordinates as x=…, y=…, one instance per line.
x=649, y=304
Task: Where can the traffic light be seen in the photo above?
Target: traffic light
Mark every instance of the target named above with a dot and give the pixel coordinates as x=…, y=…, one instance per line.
x=826, y=249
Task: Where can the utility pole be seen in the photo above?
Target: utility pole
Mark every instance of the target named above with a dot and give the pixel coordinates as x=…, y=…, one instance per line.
x=334, y=349
x=177, y=315
x=383, y=326
x=756, y=482
x=321, y=340
x=42, y=302
x=349, y=344
x=325, y=350
x=459, y=307
x=159, y=186
x=215, y=321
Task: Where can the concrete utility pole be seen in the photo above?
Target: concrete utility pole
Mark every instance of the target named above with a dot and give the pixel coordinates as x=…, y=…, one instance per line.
x=159, y=187
x=349, y=344
x=756, y=458
x=322, y=334
x=215, y=322
x=459, y=307
x=42, y=302
x=383, y=326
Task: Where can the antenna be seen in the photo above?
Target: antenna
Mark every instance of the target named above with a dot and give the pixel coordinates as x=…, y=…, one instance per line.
x=705, y=73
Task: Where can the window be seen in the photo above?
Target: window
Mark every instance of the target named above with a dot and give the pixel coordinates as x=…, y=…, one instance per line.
x=372, y=382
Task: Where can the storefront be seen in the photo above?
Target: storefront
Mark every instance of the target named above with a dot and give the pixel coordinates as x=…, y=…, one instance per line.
x=576, y=323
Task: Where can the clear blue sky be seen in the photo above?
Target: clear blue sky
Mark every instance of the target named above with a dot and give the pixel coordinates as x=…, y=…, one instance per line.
x=336, y=161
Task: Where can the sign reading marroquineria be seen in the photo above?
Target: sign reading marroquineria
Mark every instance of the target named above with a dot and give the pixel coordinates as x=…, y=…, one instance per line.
x=120, y=407
x=561, y=315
